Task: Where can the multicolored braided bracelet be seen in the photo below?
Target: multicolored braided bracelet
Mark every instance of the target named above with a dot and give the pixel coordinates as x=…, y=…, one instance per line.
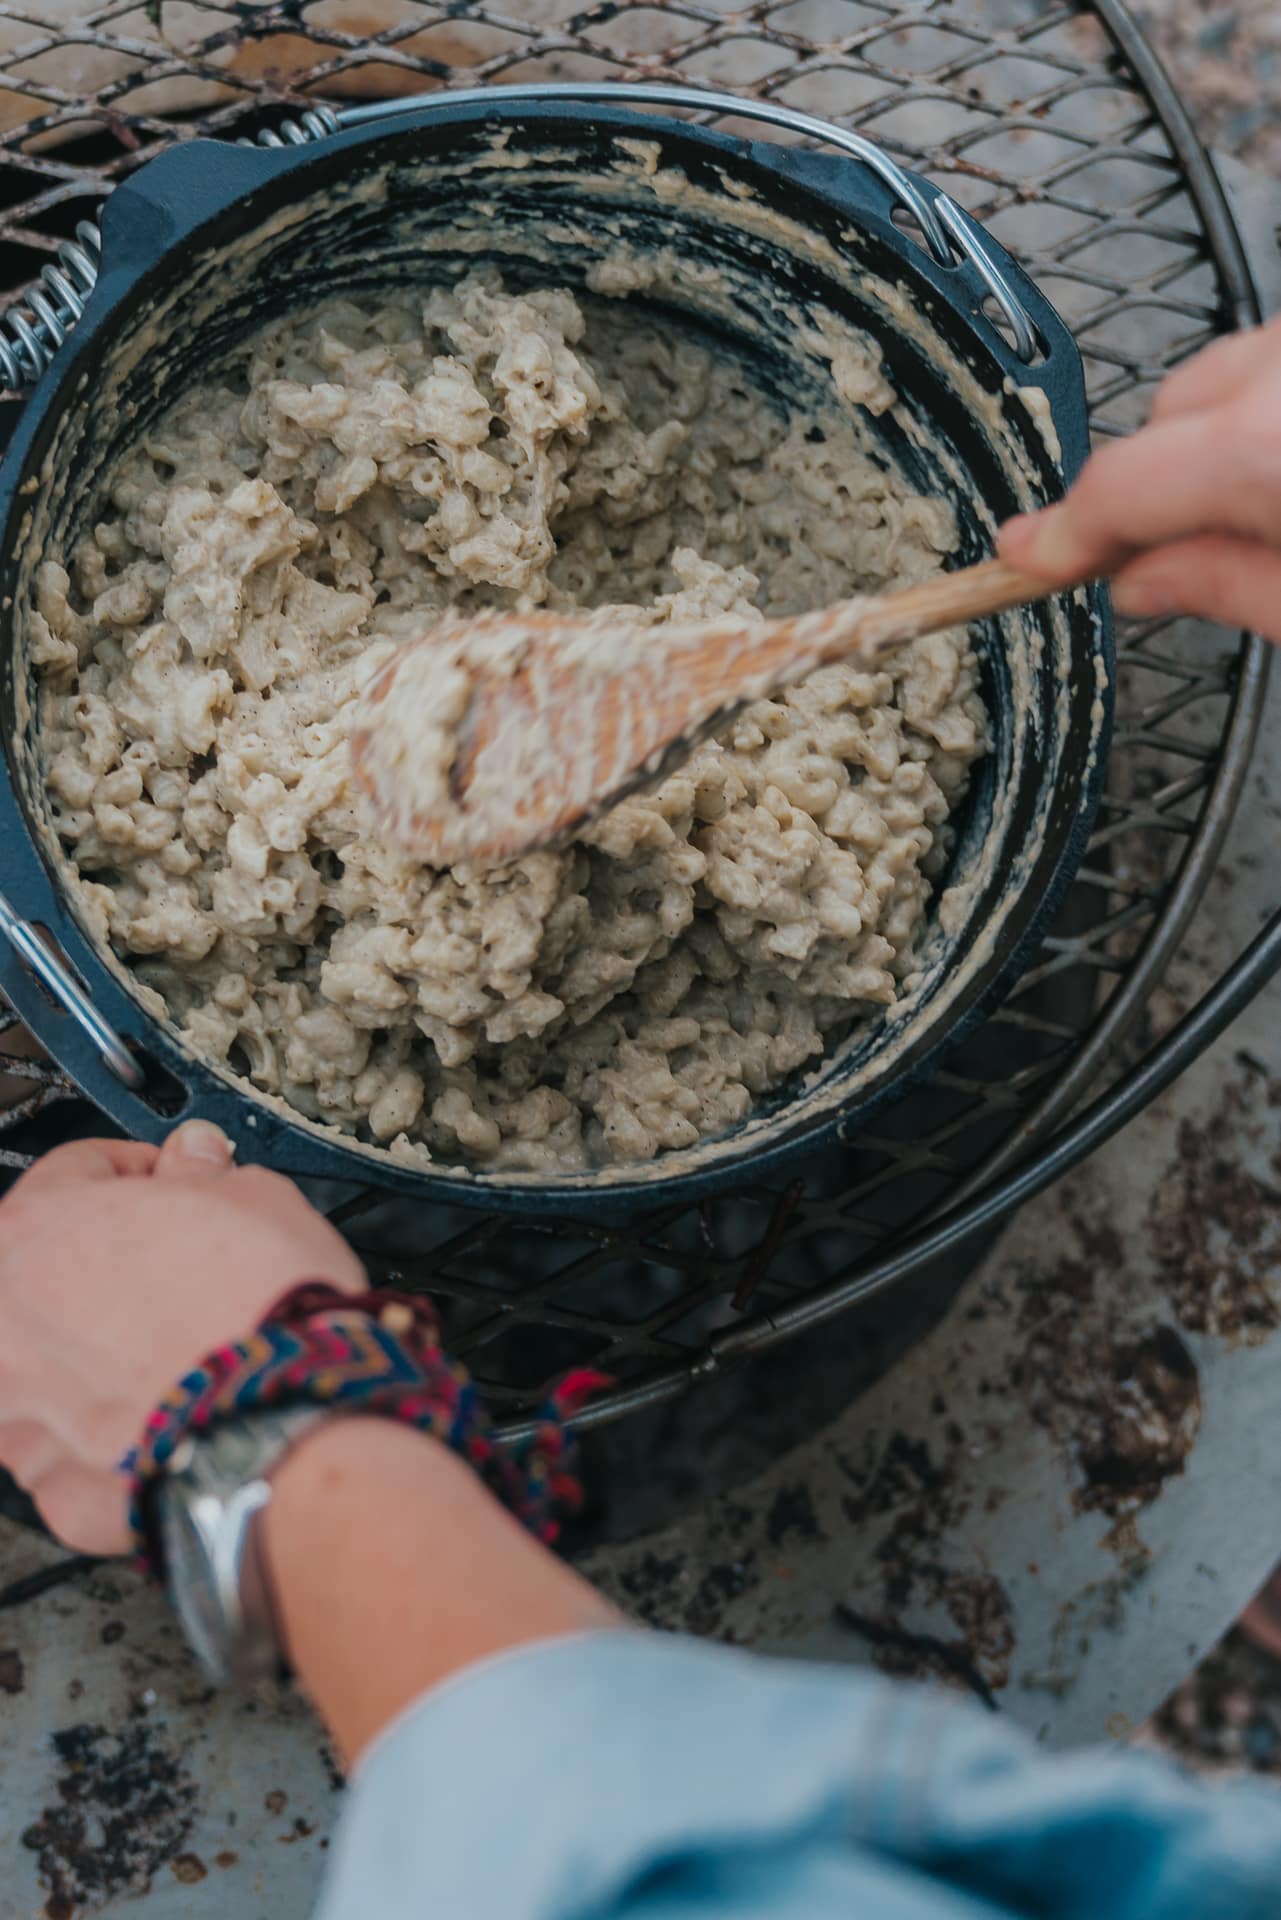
x=370, y=1353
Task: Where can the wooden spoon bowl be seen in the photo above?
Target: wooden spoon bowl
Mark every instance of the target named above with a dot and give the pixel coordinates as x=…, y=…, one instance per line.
x=490, y=737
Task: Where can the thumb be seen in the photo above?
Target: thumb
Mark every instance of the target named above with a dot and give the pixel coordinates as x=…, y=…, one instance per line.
x=1223, y=577
x=197, y=1150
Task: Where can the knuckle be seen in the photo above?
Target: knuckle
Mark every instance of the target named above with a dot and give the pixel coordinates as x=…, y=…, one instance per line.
x=18, y=1203
x=258, y=1184
x=104, y=1431
x=1257, y=456
x=1096, y=497
x=1170, y=394
x=21, y=1461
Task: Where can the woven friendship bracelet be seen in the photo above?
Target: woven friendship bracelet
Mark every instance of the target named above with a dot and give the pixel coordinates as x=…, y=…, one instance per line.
x=372, y=1353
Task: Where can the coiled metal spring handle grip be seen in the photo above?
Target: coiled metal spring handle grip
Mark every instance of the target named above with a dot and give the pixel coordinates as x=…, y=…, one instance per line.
x=35, y=326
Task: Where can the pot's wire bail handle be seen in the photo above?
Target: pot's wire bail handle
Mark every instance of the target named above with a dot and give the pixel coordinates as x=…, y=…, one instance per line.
x=950, y=234
x=54, y=974
x=37, y=323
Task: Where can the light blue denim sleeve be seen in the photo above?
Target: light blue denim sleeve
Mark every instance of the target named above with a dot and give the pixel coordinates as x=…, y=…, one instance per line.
x=630, y=1776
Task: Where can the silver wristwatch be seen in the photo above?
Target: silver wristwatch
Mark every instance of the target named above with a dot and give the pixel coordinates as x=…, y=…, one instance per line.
x=209, y=1509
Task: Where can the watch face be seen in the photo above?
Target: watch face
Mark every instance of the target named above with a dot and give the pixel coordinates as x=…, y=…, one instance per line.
x=208, y=1512
x=191, y=1578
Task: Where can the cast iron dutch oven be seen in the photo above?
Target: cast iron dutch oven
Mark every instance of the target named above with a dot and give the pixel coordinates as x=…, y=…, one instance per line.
x=207, y=242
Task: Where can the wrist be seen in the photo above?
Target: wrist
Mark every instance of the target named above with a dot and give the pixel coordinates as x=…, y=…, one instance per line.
x=393, y=1568
x=373, y=1558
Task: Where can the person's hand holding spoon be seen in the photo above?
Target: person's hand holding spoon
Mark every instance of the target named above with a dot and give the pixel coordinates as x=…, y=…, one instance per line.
x=1185, y=514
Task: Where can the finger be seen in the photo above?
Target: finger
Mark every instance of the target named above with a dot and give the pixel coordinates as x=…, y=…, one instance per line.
x=1168, y=482
x=86, y=1508
x=197, y=1150
x=1219, y=373
x=1235, y=581
x=28, y=1450
x=275, y=1193
x=88, y=1160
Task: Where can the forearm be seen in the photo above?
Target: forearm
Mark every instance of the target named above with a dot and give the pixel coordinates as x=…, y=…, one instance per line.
x=642, y=1776
x=394, y=1568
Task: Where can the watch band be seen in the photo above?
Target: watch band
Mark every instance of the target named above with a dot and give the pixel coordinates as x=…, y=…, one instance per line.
x=377, y=1352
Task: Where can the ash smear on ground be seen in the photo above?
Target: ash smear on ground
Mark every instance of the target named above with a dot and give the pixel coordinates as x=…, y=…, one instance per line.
x=663, y=1591
x=921, y=1488
x=649, y=1588
x=1226, y=1715
x=792, y=1512
x=723, y=1582
x=1098, y=1608
x=124, y=1807
x=1120, y=1399
x=1216, y=1227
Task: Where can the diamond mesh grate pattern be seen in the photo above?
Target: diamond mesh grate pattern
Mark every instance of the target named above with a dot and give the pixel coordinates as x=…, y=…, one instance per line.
x=1031, y=118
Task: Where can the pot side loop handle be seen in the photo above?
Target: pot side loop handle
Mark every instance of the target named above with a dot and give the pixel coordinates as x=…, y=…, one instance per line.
x=54, y=974
x=971, y=242
x=36, y=324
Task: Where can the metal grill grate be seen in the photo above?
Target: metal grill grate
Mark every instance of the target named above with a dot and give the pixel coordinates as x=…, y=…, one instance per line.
x=1052, y=125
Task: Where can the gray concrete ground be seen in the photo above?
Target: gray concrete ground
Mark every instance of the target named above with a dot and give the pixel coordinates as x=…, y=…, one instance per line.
x=1061, y=1499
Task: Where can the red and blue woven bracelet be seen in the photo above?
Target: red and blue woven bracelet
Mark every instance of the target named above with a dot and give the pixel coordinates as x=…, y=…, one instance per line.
x=372, y=1353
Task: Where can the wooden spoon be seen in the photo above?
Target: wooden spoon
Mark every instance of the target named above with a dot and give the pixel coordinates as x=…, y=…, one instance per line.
x=493, y=736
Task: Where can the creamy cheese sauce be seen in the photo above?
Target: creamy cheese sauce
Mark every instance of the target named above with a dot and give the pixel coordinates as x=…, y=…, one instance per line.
x=369, y=472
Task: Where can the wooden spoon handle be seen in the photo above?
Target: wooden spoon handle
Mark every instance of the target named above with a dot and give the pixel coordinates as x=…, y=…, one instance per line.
x=948, y=600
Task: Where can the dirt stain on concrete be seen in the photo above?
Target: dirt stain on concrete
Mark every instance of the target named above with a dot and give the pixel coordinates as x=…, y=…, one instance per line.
x=122, y=1807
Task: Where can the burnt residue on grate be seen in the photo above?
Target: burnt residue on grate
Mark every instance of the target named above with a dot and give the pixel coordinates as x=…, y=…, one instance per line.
x=124, y=1806
x=915, y=1656
x=649, y=1586
x=723, y=1582
x=1147, y=1430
